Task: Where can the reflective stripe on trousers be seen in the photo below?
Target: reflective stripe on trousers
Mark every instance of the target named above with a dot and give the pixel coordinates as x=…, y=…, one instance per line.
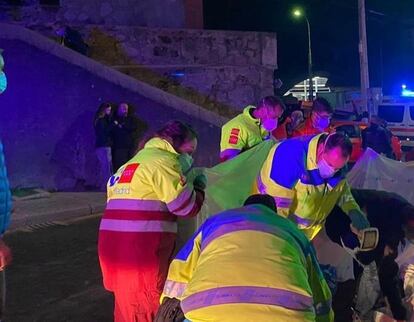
x=120, y=225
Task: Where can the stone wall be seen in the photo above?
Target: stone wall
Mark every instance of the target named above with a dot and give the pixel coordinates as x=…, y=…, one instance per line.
x=153, y=13
x=234, y=68
x=47, y=118
x=215, y=69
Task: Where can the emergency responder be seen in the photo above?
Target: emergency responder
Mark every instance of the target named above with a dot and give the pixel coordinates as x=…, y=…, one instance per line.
x=305, y=178
x=138, y=229
x=247, y=264
x=376, y=137
x=250, y=127
x=319, y=120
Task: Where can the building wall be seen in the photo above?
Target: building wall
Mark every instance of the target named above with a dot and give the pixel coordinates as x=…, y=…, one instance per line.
x=219, y=67
x=234, y=68
x=153, y=13
x=47, y=119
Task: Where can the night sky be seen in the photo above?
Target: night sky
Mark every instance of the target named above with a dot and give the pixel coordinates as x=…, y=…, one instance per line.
x=334, y=24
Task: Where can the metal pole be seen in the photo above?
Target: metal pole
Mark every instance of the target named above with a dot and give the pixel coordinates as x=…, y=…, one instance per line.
x=310, y=72
x=363, y=56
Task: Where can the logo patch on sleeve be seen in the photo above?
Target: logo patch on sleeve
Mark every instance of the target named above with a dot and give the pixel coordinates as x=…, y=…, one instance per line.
x=234, y=136
x=128, y=173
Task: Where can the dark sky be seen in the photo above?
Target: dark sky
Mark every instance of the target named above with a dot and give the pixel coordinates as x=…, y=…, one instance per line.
x=334, y=24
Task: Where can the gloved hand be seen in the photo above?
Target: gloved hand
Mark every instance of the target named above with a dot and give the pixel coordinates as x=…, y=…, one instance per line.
x=358, y=219
x=200, y=182
x=186, y=162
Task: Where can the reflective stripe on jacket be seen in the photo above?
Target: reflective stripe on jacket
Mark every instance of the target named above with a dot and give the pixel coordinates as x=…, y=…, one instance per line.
x=241, y=133
x=291, y=176
x=247, y=264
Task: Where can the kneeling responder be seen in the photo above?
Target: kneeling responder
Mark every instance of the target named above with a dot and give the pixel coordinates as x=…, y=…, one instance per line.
x=247, y=264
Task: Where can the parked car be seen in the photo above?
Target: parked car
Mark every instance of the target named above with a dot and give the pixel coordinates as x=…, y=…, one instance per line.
x=353, y=130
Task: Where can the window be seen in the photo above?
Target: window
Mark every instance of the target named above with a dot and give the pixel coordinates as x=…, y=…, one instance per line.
x=412, y=112
x=391, y=113
x=352, y=131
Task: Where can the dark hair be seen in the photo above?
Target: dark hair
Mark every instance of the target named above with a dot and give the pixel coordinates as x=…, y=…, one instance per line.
x=177, y=133
x=264, y=200
x=271, y=101
x=322, y=105
x=338, y=140
x=101, y=109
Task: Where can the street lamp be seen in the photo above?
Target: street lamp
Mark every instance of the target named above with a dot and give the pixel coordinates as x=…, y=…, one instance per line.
x=298, y=13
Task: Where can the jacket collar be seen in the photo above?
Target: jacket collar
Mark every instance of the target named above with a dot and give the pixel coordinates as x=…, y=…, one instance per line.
x=248, y=115
x=311, y=162
x=158, y=143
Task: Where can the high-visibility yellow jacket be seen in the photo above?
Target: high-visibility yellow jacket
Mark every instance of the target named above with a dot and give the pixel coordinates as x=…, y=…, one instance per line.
x=138, y=229
x=248, y=264
x=154, y=178
x=291, y=176
x=241, y=133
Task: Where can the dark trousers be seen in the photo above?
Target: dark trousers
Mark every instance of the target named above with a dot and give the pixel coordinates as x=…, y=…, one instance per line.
x=120, y=156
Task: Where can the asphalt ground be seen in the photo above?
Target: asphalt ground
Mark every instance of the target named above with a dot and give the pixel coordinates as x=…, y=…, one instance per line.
x=55, y=274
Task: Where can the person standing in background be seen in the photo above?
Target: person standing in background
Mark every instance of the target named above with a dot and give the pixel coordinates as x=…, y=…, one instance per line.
x=103, y=126
x=127, y=130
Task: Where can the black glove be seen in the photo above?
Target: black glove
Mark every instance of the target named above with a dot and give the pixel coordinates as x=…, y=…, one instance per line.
x=170, y=311
x=200, y=182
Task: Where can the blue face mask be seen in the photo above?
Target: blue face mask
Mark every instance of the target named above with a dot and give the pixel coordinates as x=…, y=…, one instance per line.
x=322, y=123
x=3, y=82
x=325, y=170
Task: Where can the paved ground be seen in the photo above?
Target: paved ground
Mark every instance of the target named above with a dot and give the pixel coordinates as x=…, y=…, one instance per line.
x=55, y=275
x=56, y=206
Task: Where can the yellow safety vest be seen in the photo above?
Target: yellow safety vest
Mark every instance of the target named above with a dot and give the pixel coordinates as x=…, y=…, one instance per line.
x=291, y=176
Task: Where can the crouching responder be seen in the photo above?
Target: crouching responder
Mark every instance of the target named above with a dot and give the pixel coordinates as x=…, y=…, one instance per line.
x=251, y=127
x=247, y=264
x=305, y=176
x=138, y=230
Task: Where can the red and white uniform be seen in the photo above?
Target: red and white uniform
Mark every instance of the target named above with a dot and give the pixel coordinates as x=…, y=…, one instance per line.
x=138, y=229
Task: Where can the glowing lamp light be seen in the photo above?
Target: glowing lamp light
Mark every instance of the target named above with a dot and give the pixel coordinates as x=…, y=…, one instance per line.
x=297, y=13
x=406, y=92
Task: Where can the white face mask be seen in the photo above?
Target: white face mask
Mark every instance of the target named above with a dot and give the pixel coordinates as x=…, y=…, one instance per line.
x=270, y=124
x=325, y=170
